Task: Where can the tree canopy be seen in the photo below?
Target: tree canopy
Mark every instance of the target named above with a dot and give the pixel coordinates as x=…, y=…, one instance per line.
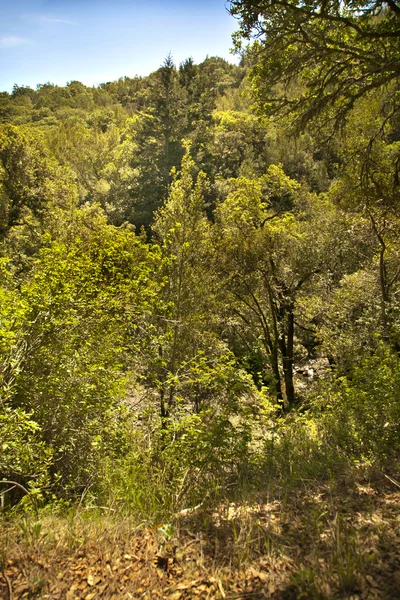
x=315, y=59
x=200, y=302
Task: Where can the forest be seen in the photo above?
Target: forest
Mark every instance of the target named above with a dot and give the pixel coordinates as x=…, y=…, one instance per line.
x=200, y=320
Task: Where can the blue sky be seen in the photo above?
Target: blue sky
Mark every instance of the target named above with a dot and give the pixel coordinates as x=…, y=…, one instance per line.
x=94, y=41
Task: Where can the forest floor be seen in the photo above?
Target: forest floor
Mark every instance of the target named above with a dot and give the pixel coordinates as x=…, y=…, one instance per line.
x=316, y=541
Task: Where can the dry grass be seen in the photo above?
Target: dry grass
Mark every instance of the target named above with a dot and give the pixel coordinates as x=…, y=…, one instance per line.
x=322, y=541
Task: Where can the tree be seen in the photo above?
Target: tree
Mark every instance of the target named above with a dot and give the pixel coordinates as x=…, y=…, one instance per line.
x=258, y=260
x=369, y=186
x=73, y=337
x=100, y=161
x=317, y=58
x=182, y=228
x=158, y=137
x=279, y=252
x=238, y=145
x=30, y=179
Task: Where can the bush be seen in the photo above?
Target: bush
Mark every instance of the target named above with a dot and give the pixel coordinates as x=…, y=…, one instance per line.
x=363, y=410
x=181, y=465
x=24, y=458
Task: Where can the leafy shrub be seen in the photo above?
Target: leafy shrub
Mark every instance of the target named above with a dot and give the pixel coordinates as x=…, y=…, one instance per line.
x=363, y=410
x=23, y=456
x=180, y=465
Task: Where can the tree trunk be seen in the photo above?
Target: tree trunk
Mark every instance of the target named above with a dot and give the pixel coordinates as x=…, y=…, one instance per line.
x=285, y=339
x=288, y=360
x=277, y=375
x=383, y=280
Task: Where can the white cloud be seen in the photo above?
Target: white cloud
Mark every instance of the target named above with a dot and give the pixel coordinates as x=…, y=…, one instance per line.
x=35, y=18
x=12, y=41
x=55, y=20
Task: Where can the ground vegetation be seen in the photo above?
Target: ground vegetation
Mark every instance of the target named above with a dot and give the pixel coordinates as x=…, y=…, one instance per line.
x=199, y=320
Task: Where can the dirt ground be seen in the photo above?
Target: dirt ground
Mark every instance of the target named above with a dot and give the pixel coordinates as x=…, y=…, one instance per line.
x=317, y=542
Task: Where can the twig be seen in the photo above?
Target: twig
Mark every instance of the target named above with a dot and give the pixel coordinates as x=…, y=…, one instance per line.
x=100, y=507
x=84, y=494
x=396, y=483
x=33, y=500
x=242, y=595
x=181, y=487
x=9, y=586
x=189, y=511
x=4, y=492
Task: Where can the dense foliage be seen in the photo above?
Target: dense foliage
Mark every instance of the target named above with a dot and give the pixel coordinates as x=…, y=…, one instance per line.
x=195, y=294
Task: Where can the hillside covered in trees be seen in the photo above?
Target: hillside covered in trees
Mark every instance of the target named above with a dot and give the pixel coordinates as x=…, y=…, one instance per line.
x=199, y=320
